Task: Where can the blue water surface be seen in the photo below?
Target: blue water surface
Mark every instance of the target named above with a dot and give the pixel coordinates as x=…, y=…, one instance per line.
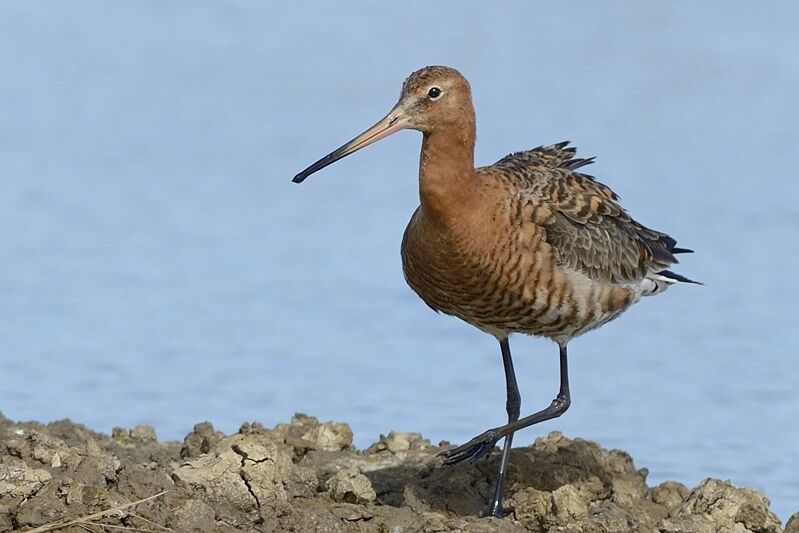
x=159, y=266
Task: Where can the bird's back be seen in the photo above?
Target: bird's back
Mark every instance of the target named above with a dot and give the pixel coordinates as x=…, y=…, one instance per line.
x=587, y=227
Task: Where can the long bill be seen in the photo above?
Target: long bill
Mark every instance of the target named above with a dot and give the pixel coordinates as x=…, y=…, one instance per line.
x=396, y=120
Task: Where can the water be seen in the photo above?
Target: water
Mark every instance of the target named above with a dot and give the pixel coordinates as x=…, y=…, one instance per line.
x=159, y=267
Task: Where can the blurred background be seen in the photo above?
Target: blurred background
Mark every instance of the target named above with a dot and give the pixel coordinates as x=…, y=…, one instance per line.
x=159, y=267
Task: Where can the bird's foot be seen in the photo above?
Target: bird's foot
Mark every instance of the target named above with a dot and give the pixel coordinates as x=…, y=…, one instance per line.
x=498, y=511
x=472, y=450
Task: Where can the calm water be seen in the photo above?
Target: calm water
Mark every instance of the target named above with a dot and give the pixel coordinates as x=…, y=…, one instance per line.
x=159, y=267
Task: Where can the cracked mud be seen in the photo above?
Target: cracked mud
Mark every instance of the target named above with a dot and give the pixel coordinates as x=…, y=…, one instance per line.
x=307, y=476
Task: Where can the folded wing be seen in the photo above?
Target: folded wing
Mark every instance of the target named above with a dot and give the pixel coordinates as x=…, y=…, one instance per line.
x=584, y=224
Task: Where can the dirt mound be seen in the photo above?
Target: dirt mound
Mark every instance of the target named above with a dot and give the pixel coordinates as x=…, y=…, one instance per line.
x=307, y=476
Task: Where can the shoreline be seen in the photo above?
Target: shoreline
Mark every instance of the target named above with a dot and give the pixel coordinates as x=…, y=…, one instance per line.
x=307, y=476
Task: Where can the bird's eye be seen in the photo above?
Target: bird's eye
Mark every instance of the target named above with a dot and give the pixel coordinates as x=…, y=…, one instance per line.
x=434, y=93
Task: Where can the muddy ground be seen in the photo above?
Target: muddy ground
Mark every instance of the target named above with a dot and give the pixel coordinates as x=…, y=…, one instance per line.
x=307, y=476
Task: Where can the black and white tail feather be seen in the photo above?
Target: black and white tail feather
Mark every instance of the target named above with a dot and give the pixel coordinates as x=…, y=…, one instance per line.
x=658, y=282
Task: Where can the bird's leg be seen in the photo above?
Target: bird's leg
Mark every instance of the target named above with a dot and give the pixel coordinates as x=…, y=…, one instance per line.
x=484, y=443
x=512, y=405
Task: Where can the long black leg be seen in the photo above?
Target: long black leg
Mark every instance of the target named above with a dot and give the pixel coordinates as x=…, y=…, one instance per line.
x=485, y=442
x=512, y=406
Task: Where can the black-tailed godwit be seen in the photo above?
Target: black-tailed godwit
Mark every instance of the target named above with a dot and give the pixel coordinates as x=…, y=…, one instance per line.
x=529, y=244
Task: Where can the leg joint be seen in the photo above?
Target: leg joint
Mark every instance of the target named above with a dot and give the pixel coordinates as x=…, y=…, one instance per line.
x=560, y=405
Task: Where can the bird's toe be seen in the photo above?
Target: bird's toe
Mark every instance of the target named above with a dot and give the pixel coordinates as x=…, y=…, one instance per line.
x=472, y=450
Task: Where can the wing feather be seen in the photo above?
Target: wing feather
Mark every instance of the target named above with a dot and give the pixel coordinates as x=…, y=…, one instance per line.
x=587, y=227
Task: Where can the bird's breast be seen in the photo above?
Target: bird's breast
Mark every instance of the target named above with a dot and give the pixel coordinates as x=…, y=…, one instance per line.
x=495, y=270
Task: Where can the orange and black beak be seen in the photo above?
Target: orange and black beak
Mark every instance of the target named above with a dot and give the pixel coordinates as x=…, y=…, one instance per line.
x=396, y=120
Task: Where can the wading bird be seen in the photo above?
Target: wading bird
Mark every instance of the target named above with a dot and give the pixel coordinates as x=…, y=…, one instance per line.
x=529, y=244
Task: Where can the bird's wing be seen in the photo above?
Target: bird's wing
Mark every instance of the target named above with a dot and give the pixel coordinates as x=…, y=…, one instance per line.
x=583, y=221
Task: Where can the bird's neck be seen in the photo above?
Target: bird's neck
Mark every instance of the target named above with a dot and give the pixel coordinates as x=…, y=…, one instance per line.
x=446, y=171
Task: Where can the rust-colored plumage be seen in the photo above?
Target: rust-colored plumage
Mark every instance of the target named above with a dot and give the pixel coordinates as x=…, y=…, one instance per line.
x=529, y=244
x=548, y=251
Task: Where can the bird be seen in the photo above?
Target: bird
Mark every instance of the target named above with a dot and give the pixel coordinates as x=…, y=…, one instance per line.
x=531, y=244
